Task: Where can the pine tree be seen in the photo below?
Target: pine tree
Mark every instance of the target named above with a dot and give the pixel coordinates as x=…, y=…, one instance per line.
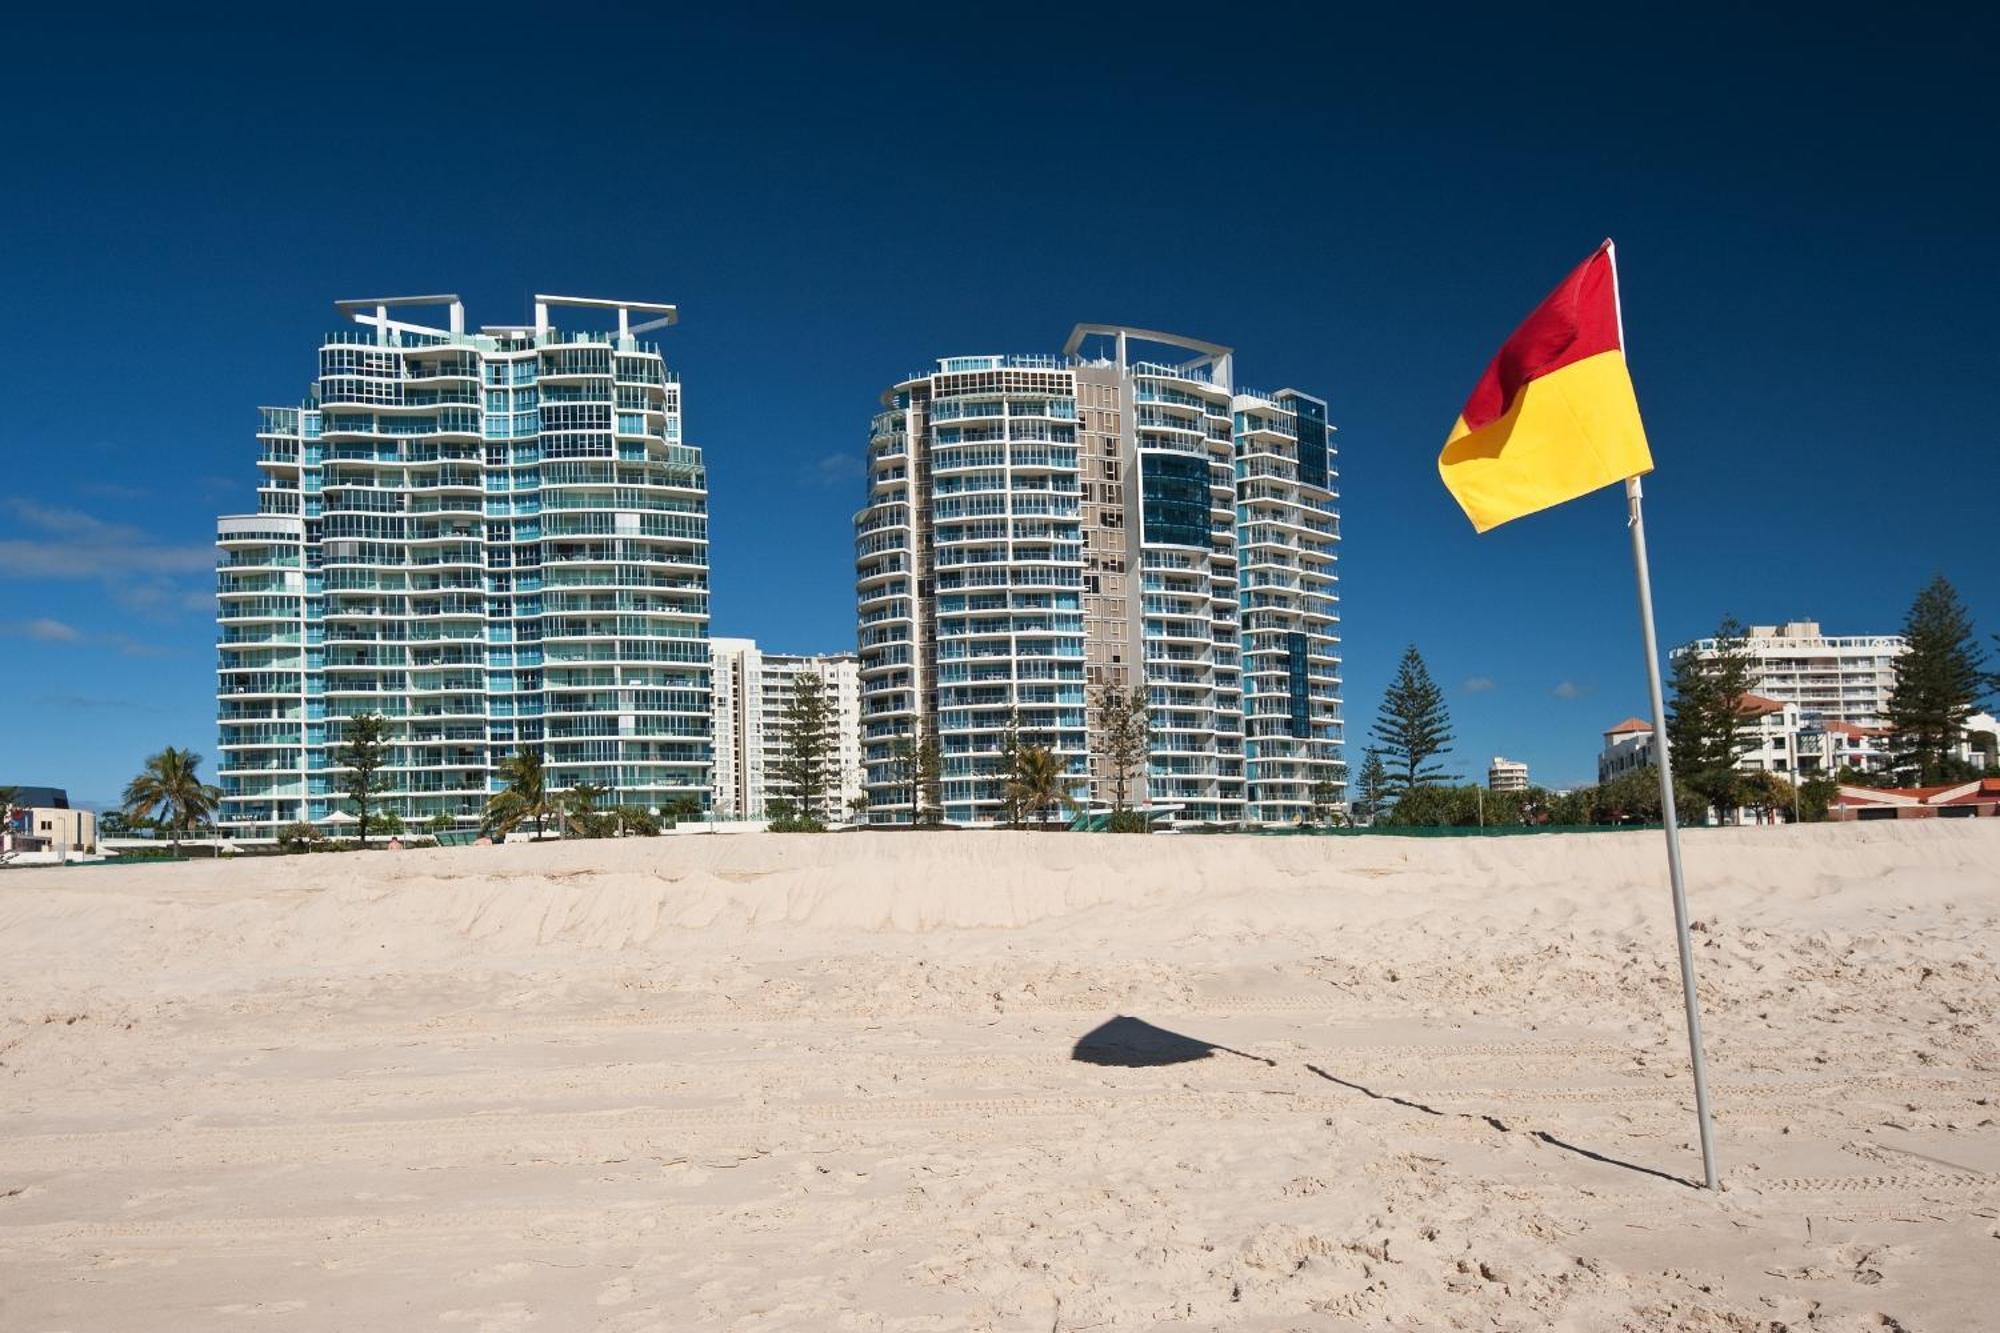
x=1372, y=787
x=806, y=763
x=1413, y=727
x=1938, y=680
x=903, y=770
x=930, y=781
x=1010, y=770
x=362, y=753
x=1127, y=725
x=1707, y=731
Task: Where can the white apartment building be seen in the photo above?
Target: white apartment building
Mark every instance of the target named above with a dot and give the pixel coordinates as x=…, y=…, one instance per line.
x=1039, y=527
x=1627, y=746
x=498, y=540
x=1831, y=679
x=753, y=690
x=1781, y=738
x=1980, y=745
x=1506, y=775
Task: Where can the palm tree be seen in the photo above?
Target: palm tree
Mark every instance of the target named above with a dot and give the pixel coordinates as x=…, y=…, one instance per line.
x=170, y=788
x=580, y=809
x=527, y=795
x=634, y=820
x=1040, y=782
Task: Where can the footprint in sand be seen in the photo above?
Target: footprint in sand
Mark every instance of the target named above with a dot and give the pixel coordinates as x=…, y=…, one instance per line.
x=260, y=1307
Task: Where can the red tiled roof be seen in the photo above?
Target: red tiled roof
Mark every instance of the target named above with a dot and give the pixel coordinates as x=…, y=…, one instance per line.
x=1968, y=793
x=1850, y=729
x=1628, y=725
x=1986, y=789
x=1756, y=705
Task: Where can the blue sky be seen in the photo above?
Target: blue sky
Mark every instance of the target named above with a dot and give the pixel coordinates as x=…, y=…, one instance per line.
x=1361, y=206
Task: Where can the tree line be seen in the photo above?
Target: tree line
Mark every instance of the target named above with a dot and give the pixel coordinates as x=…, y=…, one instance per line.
x=1938, y=682
x=1036, y=784
x=169, y=797
x=1402, y=778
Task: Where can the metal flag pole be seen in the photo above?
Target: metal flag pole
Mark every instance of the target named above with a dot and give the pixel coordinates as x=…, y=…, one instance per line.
x=1636, y=521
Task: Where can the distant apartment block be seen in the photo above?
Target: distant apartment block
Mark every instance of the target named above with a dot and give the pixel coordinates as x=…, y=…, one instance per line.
x=1627, y=746
x=1779, y=738
x=1506, y=775
x=753, y=691
x=38, y=823
x=498, y=539
x=1831, y=679
x=1126, y=514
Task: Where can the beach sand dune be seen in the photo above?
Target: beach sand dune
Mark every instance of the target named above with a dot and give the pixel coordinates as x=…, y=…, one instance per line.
x=1006, y=1081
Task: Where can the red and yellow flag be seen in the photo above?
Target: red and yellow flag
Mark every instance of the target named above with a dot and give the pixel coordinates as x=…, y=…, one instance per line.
x=1553, y=417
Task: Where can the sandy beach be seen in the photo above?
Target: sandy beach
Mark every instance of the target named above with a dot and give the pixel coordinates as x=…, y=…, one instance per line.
x=1006, y=1081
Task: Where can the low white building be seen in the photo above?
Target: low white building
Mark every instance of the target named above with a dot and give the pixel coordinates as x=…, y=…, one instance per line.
x=1981, y=744
x=1627, y=746
x=38, y=833
x=753, y=690
x=1781, y=738
x=1506, y=775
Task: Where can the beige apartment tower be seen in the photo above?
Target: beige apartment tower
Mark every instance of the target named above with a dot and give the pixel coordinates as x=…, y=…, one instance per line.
x=753, y=691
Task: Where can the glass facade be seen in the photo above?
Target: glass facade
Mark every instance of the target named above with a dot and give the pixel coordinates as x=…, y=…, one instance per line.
x=1176, y=499
x=1311, y=418
x=1297, y=663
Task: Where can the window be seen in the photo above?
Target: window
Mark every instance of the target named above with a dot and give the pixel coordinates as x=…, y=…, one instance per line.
x=1175, y=488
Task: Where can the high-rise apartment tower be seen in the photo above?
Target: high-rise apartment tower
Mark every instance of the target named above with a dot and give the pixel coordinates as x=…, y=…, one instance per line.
x=1039, y=527
x=498, y=540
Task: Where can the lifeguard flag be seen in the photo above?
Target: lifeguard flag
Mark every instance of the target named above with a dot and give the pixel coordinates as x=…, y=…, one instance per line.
x=1553, y=417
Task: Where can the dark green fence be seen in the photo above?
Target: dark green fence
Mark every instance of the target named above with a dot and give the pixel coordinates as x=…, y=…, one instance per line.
x=1450, y=831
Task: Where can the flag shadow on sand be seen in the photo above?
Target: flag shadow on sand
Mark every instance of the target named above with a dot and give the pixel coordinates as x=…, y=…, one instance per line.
x=1133, y=1042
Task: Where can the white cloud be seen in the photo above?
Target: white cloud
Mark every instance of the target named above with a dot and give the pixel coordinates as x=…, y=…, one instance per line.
x=111, y=490
x=44, y=630
x=1479, y=685
x=838, y=469
x=79, y=702
x=1569, y=689
x=139, y=572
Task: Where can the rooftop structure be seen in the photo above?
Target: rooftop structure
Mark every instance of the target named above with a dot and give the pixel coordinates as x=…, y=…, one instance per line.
x=47, y=798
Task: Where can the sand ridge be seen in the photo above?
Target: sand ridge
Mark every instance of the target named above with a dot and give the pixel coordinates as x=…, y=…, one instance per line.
x=770, y=1082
